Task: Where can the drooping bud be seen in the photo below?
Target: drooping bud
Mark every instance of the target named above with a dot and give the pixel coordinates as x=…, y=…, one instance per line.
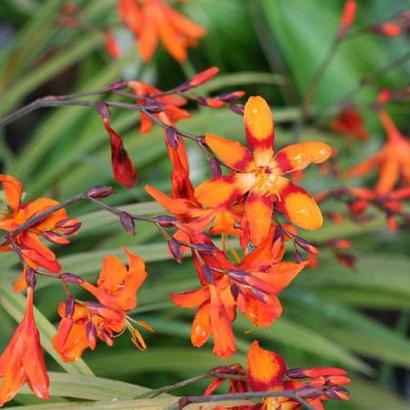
x=305, y=245
x=68, y=226
x=31, y=278
x=172, y=137
x=175, y=249
x=127, y=222
x=91, y=335
x=199, y=79
x=71, y=278
x=99, y=191
x=103, y=110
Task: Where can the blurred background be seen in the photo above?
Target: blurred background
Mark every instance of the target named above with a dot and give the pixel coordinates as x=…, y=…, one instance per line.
x=354, y=317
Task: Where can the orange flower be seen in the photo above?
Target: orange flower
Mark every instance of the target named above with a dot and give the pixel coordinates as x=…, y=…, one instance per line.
x=261, y=175
x=392, y=159
x=267, y=371
x=153, y=20
x=83, y=323
x=350, y=123
x=23, y=360
x=192, y=215
x=54, y=227
x=251, y=286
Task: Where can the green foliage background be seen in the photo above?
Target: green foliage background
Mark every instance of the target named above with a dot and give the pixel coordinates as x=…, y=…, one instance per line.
x=357, y=319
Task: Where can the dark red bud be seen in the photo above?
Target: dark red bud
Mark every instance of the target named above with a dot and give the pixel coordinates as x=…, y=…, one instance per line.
x=175, y=249
x=103, y=110
x=99, y=191
x=234, y=95
x=234, y=291
x=69, y=306
x=215, y=167
x=172, y=137
x=127, y=223
x=166, y=221
x=119, y=85
x=71, y=278
x=68, y=226
x=31, y=278
x=208, y=274
x=298, y=257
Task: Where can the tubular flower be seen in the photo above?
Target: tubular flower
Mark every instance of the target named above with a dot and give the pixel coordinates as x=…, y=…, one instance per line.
x=251, y=286
x=153, y=20
x=260, y=174
x=23, y=359
x=350, y=123
x=55, y=227
x=392, y=159
x=267, y=371
x=83, y=323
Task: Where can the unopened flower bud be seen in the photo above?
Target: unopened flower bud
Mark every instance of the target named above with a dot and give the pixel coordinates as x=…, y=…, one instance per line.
x=91, y=335
x=128, y=223
x=215, y=167
x=309, y=392
x=100, y=191
x=337, y=393
x=175, y=249
x=296, y=373
x=103, y=110
x=31, y=278
x=205, y=248
x=166, y=221
x=71, y=278
x=172, y=137
x=237, y=108
x=305, y=245
x=69, y=306
x=119, y=85
x=208, y=274
x=154, y=107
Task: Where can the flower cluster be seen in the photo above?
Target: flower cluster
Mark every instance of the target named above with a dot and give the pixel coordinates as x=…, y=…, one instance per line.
x=267, y=372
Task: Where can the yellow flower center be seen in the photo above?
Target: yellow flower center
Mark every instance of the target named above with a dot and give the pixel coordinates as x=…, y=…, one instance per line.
x=268, y=179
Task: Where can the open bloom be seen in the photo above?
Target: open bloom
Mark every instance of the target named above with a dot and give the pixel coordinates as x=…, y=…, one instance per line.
x=153, y=20
x=83, y=323
x=392, y=159
x=267, y=372
x=23, y=359
x=261, y=175
x=55, y=227
x=252, y=286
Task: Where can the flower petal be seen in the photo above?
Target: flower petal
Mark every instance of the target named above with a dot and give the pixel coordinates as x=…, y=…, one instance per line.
x=191, y=298
x=13, y=190
x=259, y=130
x=389, y=175
x=298, y=156
x=201, y=326
x=220, y=190
x=300, y=207
x=258, y=209
x=231, y=153
x=265, y=369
